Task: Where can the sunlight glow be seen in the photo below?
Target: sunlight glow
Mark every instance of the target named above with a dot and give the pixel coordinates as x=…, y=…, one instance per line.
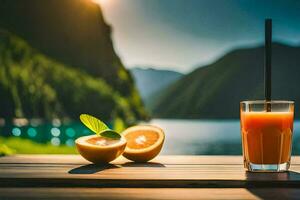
x=101, y=2
x=16, y=131
x=55, y=132
x=55, y=141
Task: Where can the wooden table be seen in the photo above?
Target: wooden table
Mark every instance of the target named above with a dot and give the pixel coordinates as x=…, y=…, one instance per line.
x=166, y=177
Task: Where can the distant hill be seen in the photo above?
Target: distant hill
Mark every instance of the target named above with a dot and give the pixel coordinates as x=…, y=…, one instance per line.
x=72, y=33
x=215, y=90
x=150, y=81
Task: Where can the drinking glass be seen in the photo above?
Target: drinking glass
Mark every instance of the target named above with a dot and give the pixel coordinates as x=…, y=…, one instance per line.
x=267, y=129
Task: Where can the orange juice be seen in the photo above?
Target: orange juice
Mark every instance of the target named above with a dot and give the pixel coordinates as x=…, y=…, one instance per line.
x=267, y=136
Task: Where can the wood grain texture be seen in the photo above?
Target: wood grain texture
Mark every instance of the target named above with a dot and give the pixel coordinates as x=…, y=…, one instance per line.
x=148, y=193
x=164, y=171
x=76, y=159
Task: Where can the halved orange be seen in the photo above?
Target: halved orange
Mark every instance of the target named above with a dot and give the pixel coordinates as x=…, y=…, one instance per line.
x=99, y=149
x=144, y=142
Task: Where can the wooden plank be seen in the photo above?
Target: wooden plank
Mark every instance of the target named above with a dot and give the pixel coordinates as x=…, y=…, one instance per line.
x=165, y=171
x=76, y=159
x=163, y=159
x=147, y=193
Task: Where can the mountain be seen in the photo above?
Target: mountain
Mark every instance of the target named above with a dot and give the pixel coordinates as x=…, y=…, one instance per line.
x=33, y=85
x=215, y=90
x=74, y=34
x=149, y=80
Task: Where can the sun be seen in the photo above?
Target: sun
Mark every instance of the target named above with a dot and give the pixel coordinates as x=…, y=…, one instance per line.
x=101, y=2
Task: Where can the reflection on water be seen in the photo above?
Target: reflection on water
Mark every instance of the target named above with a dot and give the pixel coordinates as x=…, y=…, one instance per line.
x=182, y=136
x=55, y=132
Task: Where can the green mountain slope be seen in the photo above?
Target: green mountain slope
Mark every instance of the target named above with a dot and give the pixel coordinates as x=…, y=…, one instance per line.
x=73, y=33
x=214, y=91
x=32, y=85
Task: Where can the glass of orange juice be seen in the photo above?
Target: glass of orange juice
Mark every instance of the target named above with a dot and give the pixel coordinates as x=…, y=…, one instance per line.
x=267, y=129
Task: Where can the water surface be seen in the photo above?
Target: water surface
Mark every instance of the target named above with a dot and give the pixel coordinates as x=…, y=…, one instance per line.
x=208, y=136
x=197, y=137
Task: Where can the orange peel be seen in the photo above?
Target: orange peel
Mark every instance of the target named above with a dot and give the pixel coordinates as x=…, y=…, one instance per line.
x=100, y=150
x=144, y=142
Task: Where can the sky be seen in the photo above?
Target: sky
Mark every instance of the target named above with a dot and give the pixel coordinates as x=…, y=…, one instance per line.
x=182, y=35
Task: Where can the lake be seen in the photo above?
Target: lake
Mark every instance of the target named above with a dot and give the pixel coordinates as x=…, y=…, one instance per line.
x=208, y=136
x=211, y=137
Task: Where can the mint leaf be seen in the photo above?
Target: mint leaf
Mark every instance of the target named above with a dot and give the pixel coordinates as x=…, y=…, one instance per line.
x=98, y=127
x=110, y=134
x=94, y=124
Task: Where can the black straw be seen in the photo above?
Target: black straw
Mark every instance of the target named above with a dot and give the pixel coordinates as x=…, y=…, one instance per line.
x=268, y=57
